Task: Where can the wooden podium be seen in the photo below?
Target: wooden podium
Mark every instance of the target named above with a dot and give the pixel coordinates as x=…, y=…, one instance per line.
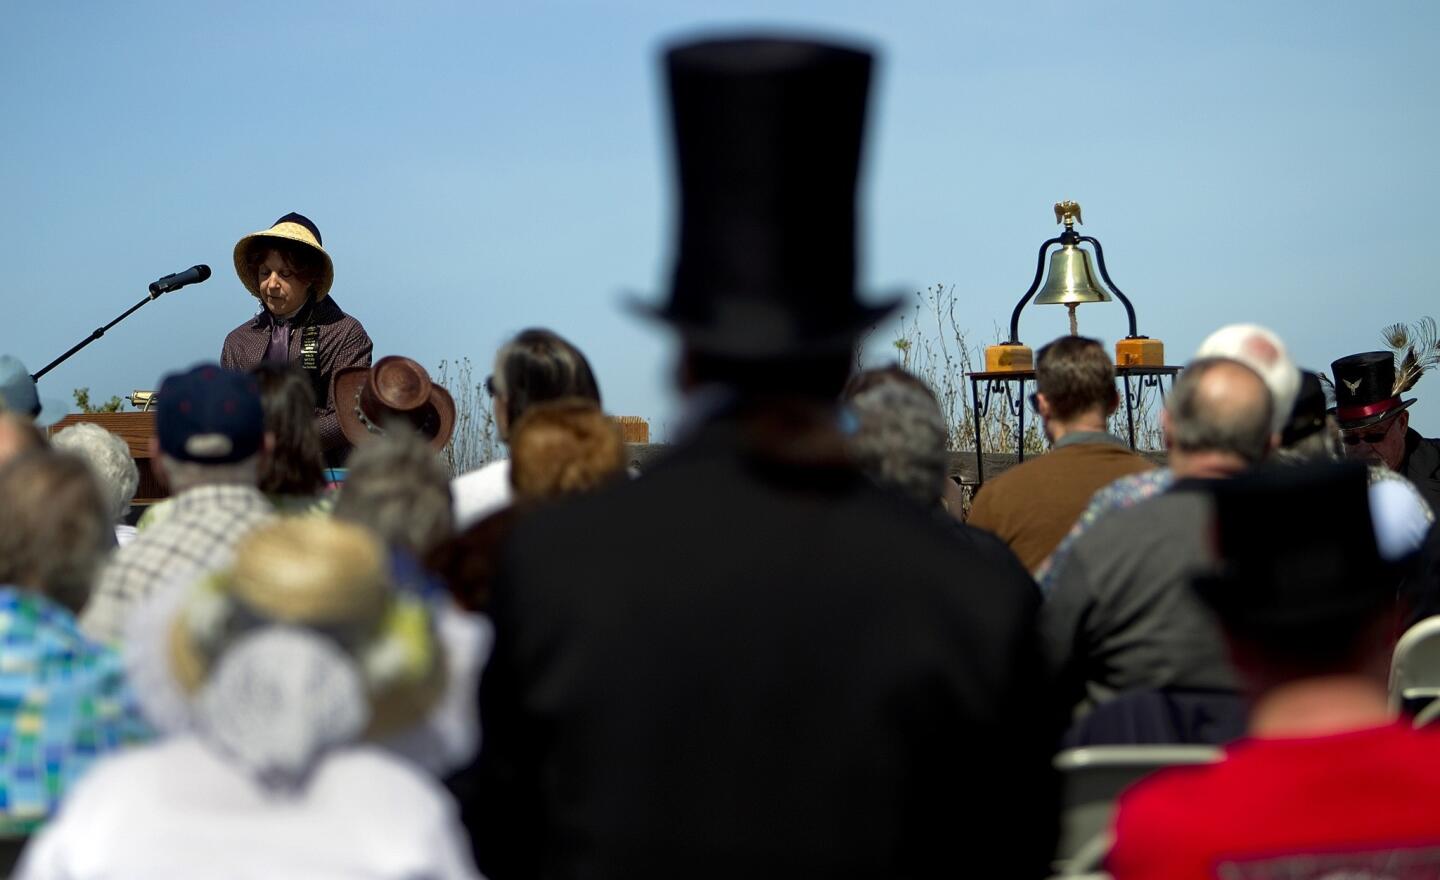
x=136, y=429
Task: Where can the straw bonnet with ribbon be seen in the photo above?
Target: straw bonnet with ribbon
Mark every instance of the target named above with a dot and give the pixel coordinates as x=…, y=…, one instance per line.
x=395, y=390
x=295, y=228
x=326, y=577
x=767, y=141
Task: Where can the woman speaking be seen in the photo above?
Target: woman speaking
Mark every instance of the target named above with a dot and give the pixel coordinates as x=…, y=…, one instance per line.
x=287, y=269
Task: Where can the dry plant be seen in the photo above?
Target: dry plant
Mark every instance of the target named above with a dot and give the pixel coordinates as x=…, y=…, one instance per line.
x=933, y=344
x=476, y=442
x=1147, y=402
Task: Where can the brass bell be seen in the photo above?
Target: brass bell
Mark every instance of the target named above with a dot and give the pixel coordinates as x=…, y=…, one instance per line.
x=1071, y=280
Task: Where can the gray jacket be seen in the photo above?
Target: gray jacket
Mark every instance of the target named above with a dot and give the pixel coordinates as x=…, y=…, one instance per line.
x=1122, y=615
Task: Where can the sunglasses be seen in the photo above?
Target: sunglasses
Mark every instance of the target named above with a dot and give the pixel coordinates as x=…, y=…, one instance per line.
x=490, y=385
x=1371, y=438
x=1035, y=402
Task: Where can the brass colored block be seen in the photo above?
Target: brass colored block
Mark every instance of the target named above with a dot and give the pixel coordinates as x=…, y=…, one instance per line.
x=1139, y=353
x=1009, y=358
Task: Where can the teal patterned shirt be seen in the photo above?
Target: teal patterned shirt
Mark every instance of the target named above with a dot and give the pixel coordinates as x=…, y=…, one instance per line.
x=64, y=704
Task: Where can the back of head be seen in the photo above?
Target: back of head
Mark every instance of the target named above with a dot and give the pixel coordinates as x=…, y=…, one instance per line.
x=1220, y=405
x=1311, y=433
x=1076, y=377
x=539, y=365
x=564, y=447
x=1263, y=351
x=814, y=376
x=296, y=463
x=399, y=488
x=54, y=531
x=1300, y=584
x=901, y=440
x=109, y=459
x=210, y=427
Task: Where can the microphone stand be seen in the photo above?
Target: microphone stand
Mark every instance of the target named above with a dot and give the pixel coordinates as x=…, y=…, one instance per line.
x=35, y=377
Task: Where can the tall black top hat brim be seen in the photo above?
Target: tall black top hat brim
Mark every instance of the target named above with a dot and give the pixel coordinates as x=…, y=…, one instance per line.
x=768, y=134
x=1367, y=421
x=759, y=330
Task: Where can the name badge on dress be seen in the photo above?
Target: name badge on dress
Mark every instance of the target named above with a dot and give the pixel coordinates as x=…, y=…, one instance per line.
x=310, y=347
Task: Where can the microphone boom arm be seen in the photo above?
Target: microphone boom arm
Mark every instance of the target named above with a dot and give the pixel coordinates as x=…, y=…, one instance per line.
x=96, y=334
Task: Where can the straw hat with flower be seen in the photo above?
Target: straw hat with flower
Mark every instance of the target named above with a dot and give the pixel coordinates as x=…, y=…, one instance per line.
x=295, y=228
x=332, y=578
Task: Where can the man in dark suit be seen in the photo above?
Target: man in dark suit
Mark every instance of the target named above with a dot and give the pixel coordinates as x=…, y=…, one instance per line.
x=1374, y=422
x=751, y=662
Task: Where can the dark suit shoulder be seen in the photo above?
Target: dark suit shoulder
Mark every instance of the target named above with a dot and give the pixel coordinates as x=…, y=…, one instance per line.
x=706, y=525
x=1422, y=459
x=1422, y=466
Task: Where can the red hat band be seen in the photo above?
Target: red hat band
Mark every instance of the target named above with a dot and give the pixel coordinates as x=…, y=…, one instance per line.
x=1350, y=413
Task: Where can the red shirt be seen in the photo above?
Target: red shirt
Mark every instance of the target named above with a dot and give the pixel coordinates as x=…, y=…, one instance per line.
x=1358, y=804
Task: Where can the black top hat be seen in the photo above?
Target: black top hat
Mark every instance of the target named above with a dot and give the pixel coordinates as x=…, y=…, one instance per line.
x=767, y=139
x=1296, y=548
x=1308, y=416
x=1365, y=389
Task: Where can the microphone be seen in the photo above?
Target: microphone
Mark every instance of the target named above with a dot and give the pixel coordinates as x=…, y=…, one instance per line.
x=177, y=280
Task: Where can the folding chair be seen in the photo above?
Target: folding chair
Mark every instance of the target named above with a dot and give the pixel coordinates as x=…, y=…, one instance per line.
x=1092, y=778
x=1415, y=670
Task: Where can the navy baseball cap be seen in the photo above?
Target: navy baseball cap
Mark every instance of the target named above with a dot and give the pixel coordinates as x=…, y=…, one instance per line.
x=209, y=415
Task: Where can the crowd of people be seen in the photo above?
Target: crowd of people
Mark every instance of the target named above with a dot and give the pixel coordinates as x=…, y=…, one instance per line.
x=791, y=647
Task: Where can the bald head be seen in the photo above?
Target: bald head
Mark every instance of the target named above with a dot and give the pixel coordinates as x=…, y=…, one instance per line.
x=1220, y=406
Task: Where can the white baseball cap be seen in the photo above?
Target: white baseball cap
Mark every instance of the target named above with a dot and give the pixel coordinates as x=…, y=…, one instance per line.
x=1262, y=351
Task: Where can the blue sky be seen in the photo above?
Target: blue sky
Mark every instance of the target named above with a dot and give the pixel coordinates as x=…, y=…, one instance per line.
x=479, y=168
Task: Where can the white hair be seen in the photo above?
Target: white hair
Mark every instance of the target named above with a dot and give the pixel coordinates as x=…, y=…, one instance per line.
x=182, y=475
x=109, y=459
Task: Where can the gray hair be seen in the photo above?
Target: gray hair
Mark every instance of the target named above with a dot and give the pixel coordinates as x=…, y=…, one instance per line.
x=53, y=531
x=901, y=439
x=1323, y=445
x=399, y=488
x=109, y=459
x=1205, y=419
x=182, y=475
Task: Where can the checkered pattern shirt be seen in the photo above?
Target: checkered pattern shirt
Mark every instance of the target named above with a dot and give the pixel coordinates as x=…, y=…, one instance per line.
x=199, y=535
x=64, y=704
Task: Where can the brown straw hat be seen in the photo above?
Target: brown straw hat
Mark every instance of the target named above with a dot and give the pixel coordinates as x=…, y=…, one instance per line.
x=396, y=388
x=330, y=577
x=292, y=227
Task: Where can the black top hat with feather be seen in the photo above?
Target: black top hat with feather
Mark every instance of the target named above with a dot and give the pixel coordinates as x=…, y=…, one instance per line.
x=1368, y=385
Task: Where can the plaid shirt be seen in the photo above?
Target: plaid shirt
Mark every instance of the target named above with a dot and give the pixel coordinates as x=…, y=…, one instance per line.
x=64, y=704
x=198, y=536
x=343, y=343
